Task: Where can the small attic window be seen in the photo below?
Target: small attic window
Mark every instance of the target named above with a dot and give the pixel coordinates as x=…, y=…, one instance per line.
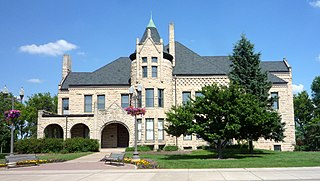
x=144, y=59
x=154, y=59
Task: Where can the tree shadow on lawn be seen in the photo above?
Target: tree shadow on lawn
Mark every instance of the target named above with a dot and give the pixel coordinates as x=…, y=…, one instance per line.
x=227, y=154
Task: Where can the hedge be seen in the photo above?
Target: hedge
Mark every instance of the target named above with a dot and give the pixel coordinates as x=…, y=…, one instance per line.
x=56, y=145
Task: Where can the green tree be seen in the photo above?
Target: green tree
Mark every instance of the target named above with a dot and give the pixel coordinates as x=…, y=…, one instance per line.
x=315, y=87
x=29, y=115
x=179, y=120
x=246, y=72
x=303, y=112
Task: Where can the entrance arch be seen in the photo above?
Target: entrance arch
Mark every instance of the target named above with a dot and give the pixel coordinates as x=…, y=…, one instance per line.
x=53, y=131
x=114, y=135
x=80, y=130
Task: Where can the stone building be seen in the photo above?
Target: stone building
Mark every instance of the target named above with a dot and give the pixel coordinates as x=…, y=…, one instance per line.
x=90, y=104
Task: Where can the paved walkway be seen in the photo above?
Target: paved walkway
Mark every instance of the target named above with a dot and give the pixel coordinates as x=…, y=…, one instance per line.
x=311, y=173
x=90, y=168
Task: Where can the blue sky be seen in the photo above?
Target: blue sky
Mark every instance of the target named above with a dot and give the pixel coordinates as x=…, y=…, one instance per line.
x=34, y=34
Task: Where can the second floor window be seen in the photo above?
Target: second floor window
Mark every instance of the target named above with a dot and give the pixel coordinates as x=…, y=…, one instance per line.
x=144, y=59
x=139, y=99
x=101, y=102
x=65, y=105
x=275, y=103
x=160, y=98
x=149, y=98
x=154, y=71
x=154, y=59
x=88, y=103
x=185, y=97
x=144, y=71
x=124, y=100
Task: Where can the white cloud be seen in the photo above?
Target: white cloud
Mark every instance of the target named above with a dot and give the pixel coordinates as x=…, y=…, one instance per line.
x=315, y=3
x=318, y=58
x=297, y=88
x=52, y=49
x=35, y=81
x=81, y=53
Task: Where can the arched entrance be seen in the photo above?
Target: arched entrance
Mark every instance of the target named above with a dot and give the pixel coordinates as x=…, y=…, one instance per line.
x=80, y=130
x=114, y=135
x=53, y=131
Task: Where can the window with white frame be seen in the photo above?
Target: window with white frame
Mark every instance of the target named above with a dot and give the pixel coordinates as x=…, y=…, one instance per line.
x=65, y=105
x=275, y=104
x=161, y=129
x=185, y=97
x=88, y=103
x=139, y=121
x=124, y=100
x=149, y=129
x=149, y=98
x=144, y=71
x=101, y=102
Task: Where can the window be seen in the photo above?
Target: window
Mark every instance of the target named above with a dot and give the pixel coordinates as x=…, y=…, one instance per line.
x=88, y=103
x=149, y=129
x=144, y=59
x=144, y=71
x=198, y=137
x=199, y=94
x=185, y=97
x=154, y=59
x=187, y=137
x=160, y=97
x=139, y=121
x=139, y=99
x=275, y=104
x=124, y=100
x=154, y=71
x=160, y=129
x=149, y=98
x=277, y=147
x=65, y=105
x=101, y=102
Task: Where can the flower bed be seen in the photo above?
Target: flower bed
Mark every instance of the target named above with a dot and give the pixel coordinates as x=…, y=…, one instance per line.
x=142, y=163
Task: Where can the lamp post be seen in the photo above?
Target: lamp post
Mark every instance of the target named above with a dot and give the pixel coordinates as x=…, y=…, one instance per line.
x=134, y=95
x=5, y=92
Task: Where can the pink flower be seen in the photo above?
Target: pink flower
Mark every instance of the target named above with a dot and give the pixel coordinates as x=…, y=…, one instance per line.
x=135, y=110
x=11, y=114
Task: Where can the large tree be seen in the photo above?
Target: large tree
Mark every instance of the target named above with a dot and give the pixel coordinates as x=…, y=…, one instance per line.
x=29, y=115
x=303, y=112
x=315, y=87
x=179, y=120
x=246, y=72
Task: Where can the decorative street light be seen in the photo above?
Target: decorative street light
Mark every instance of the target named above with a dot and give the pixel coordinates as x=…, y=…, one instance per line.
x=5, y=92
x=135, y=96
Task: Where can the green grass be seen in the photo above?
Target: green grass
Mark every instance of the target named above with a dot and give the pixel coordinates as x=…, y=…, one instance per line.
x=58, y=156
x=235, y=159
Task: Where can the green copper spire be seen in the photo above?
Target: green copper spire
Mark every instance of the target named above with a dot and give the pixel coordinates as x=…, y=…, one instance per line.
x=151, y=23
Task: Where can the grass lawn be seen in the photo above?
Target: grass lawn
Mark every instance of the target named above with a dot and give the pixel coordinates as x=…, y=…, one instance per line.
x=233, y=159
x=58, y=156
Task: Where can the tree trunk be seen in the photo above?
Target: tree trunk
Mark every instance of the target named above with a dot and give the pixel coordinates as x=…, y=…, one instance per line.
x=219, y=149
x=1, y=148
x=251, y=147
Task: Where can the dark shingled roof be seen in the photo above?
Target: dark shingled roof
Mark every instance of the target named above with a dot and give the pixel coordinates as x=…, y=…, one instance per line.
x=154, y=35
x=114, y=73
x=188, y=63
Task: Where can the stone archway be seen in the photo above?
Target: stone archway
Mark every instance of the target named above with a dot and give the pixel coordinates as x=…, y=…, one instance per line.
x=80, y=130
x=114, y=135
x=53, y=131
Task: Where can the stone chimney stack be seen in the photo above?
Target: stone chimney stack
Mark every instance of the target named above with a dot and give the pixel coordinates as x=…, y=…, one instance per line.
x=172, y=50
x=66, y=66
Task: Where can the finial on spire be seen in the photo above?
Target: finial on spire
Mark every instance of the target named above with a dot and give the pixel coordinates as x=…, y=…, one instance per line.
x=151, y=23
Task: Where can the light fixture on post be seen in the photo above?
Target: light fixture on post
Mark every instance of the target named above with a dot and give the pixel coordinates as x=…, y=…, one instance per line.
x=12, y=114
x=135, y=96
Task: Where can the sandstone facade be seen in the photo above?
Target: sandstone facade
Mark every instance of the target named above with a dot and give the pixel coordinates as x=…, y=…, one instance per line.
x=91, y=104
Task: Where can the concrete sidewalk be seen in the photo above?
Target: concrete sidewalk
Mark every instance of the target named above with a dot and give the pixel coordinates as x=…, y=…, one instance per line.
x=303, y=173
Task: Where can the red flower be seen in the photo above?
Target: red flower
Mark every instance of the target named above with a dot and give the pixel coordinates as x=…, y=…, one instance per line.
x=135, y=110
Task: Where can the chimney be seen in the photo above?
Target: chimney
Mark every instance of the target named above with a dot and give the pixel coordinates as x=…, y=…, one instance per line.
x=171, y=43
x=66, y=66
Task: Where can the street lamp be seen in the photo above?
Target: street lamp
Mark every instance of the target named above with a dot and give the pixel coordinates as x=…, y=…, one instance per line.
x=136, y=96
x=5, y=92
